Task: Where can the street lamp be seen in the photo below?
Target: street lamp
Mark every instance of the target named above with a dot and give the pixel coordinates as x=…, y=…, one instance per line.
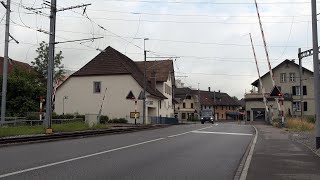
x=64, y=97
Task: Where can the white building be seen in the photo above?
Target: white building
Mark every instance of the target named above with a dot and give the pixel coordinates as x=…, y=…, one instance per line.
x=120, y=80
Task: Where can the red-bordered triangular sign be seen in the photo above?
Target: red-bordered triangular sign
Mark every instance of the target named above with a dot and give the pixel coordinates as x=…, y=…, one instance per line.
x=276, y=92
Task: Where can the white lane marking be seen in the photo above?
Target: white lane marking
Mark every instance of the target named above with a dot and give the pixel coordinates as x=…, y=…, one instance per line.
x=188, y=132
x=216, y=124
x=77, y=158
x=208, y=132
x=244, y=172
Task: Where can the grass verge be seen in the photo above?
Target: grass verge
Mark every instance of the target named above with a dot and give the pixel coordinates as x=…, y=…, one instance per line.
x=65, y=127
x=296, y=124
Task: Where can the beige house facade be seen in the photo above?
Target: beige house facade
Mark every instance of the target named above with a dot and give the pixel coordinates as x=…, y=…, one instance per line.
x=287, y=79
x=115, y=82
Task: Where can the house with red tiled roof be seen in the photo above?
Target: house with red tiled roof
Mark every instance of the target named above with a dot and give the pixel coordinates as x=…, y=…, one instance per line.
x=13, y=63
x=120, y=80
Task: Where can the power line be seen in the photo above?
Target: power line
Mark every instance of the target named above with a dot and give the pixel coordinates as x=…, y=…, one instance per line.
x=208, y=2
x=194, y=15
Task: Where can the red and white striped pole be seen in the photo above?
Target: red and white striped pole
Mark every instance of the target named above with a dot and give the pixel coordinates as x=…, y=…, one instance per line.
x=40, y=114
x=282, y=111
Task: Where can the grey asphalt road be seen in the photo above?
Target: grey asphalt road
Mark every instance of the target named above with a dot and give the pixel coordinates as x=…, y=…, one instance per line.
x=179, y=152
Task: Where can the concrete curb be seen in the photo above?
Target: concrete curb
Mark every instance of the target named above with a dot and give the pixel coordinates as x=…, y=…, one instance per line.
x=245, y=169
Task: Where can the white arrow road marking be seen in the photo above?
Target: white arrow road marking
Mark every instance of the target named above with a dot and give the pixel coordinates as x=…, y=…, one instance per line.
x=208, y=132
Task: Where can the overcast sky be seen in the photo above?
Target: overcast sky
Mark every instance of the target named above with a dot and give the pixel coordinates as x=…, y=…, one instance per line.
x=211, y=39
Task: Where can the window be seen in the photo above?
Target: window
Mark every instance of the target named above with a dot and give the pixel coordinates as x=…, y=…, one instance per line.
x=96, y=87
x=221, y=107
x=283, y=77
x=229, y=108
x=296, y=106
x=160, y=102
x=191, y=105
x=292, y=77
x=304, y=90
x=184, y=105
x=188, y=97
x=183, y=116
x=221, y=115
x=233, y=108
x=205, y=107
x=305, y=106
x=296, y=90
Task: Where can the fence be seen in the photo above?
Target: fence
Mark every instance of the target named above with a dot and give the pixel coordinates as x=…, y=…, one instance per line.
x=164, y=120
x=23, y=121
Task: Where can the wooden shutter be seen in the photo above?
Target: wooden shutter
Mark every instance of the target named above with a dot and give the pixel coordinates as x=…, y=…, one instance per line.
x=305, y=106
x=293, y=90
x=304, y=90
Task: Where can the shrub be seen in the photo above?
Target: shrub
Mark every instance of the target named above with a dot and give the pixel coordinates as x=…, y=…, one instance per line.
x=32, y=117
x=193, y=119
x=104, y=119
x=296, y=124
x=119, y=121
x=80, y=116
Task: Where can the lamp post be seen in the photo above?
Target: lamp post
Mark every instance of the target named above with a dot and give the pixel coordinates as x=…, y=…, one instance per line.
x=64, y=97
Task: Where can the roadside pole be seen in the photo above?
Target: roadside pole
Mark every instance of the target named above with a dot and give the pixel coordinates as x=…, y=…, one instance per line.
x=301, y=89
x=5, y=63
x=316, y=70
x=40, y=114
x=144, y=81
x=53, y=7
x=135, y=112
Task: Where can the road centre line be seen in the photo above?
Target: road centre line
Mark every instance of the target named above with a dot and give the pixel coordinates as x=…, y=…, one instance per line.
x=208, y=132
x=188, y=132
x=90, y=155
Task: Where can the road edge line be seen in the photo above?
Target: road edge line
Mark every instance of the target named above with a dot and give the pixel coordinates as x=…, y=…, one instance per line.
x=245, y=169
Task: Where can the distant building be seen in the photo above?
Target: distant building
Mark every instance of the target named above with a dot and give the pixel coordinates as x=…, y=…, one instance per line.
x=287, y=79
x=122, y=80
x=191, y=102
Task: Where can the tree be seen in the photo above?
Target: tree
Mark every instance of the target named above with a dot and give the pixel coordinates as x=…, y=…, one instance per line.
x=23, y=92
x=40, y=64
x=235, y=98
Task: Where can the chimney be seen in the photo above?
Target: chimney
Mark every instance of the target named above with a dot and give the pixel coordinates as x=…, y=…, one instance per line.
x=153, y=80
x=219, y=90
x=209, y=88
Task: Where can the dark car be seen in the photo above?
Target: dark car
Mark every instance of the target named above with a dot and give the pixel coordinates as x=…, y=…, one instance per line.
x=207, y=115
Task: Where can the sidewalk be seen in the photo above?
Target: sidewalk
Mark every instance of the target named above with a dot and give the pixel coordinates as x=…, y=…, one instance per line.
x=277, y=157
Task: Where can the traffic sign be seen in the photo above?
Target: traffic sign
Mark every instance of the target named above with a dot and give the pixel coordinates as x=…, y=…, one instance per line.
x=275, y=92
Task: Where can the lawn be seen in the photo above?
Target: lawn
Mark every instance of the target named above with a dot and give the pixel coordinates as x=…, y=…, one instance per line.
x=65, y=127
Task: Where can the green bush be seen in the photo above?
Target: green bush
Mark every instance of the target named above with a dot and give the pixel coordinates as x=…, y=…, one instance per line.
x=104, y=119
x=119, y=121
x=80, y=116
x=32, y=117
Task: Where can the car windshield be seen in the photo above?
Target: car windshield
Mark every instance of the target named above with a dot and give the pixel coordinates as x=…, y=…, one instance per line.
x=206, y=113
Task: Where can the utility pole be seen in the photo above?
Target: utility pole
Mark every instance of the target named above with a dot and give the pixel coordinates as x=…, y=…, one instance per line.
x=5, y=63
x=52, y=34
x=301, y=90
x=144, y=81
x=316, y=70
x=53, y=12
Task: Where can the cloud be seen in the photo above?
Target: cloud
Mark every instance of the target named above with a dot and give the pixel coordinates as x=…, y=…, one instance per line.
x=226, y=74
